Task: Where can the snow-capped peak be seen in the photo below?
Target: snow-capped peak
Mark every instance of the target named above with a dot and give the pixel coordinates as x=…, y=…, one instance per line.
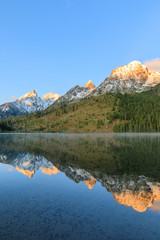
x=134, y=77
x=134, y=70
x=28, y=103
x=28, y=95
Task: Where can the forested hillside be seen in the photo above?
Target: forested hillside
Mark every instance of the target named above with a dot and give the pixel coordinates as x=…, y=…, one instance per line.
x=136, y=112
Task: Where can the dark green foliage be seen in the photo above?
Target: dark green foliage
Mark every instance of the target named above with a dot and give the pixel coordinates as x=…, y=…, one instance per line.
x=4, y=126
x=139, y=112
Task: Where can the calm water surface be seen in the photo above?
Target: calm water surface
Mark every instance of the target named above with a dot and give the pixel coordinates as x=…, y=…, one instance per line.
x=63, y=186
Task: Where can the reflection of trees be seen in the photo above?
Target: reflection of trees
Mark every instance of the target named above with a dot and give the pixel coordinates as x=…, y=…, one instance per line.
x=106, y=153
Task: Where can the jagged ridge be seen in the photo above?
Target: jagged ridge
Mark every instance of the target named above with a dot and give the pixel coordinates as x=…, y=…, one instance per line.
x=134, y=77
x=28, y=103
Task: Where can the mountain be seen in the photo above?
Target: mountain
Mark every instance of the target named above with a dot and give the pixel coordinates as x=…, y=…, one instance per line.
x=48, y=99
x=76, y=93
x=138, y=112
x=134, y=77
x=28, y=103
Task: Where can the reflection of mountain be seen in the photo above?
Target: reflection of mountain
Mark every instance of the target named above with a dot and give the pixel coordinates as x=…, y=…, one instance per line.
x=124, y=164
x=139, y=192
x=90, y=183
x=50, y=171
x=26, y=172
x=139, y=200
x=106, y=153
x=27, y=163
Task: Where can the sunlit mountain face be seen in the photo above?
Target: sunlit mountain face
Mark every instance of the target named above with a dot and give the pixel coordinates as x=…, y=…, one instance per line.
x=126, y=166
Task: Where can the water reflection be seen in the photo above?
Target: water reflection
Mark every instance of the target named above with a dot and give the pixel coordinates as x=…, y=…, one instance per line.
x=127, y=166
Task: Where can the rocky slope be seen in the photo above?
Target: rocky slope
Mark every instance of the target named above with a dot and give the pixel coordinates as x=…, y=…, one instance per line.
x=76, y=93
x=28, y=103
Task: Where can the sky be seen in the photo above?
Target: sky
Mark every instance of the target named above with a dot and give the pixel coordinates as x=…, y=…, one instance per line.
x=53, y=45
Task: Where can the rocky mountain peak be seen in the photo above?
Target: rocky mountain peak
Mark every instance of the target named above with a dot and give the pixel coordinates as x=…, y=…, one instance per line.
x=51, y=96
x=28, y=95
x=134, y=71
x=134, y=77
x=48, y=95
x=28, y=103
x=89, y=85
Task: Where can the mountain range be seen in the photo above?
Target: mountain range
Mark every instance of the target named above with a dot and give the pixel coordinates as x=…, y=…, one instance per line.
x=31, y=102
x=134, y=77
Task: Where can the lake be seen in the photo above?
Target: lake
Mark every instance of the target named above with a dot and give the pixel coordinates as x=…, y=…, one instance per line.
x=80, y=186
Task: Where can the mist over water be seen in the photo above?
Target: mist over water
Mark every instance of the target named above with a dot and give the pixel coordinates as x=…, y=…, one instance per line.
x=79, y=186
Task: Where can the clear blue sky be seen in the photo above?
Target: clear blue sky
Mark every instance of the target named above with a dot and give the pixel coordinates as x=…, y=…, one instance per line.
x=53, y=45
